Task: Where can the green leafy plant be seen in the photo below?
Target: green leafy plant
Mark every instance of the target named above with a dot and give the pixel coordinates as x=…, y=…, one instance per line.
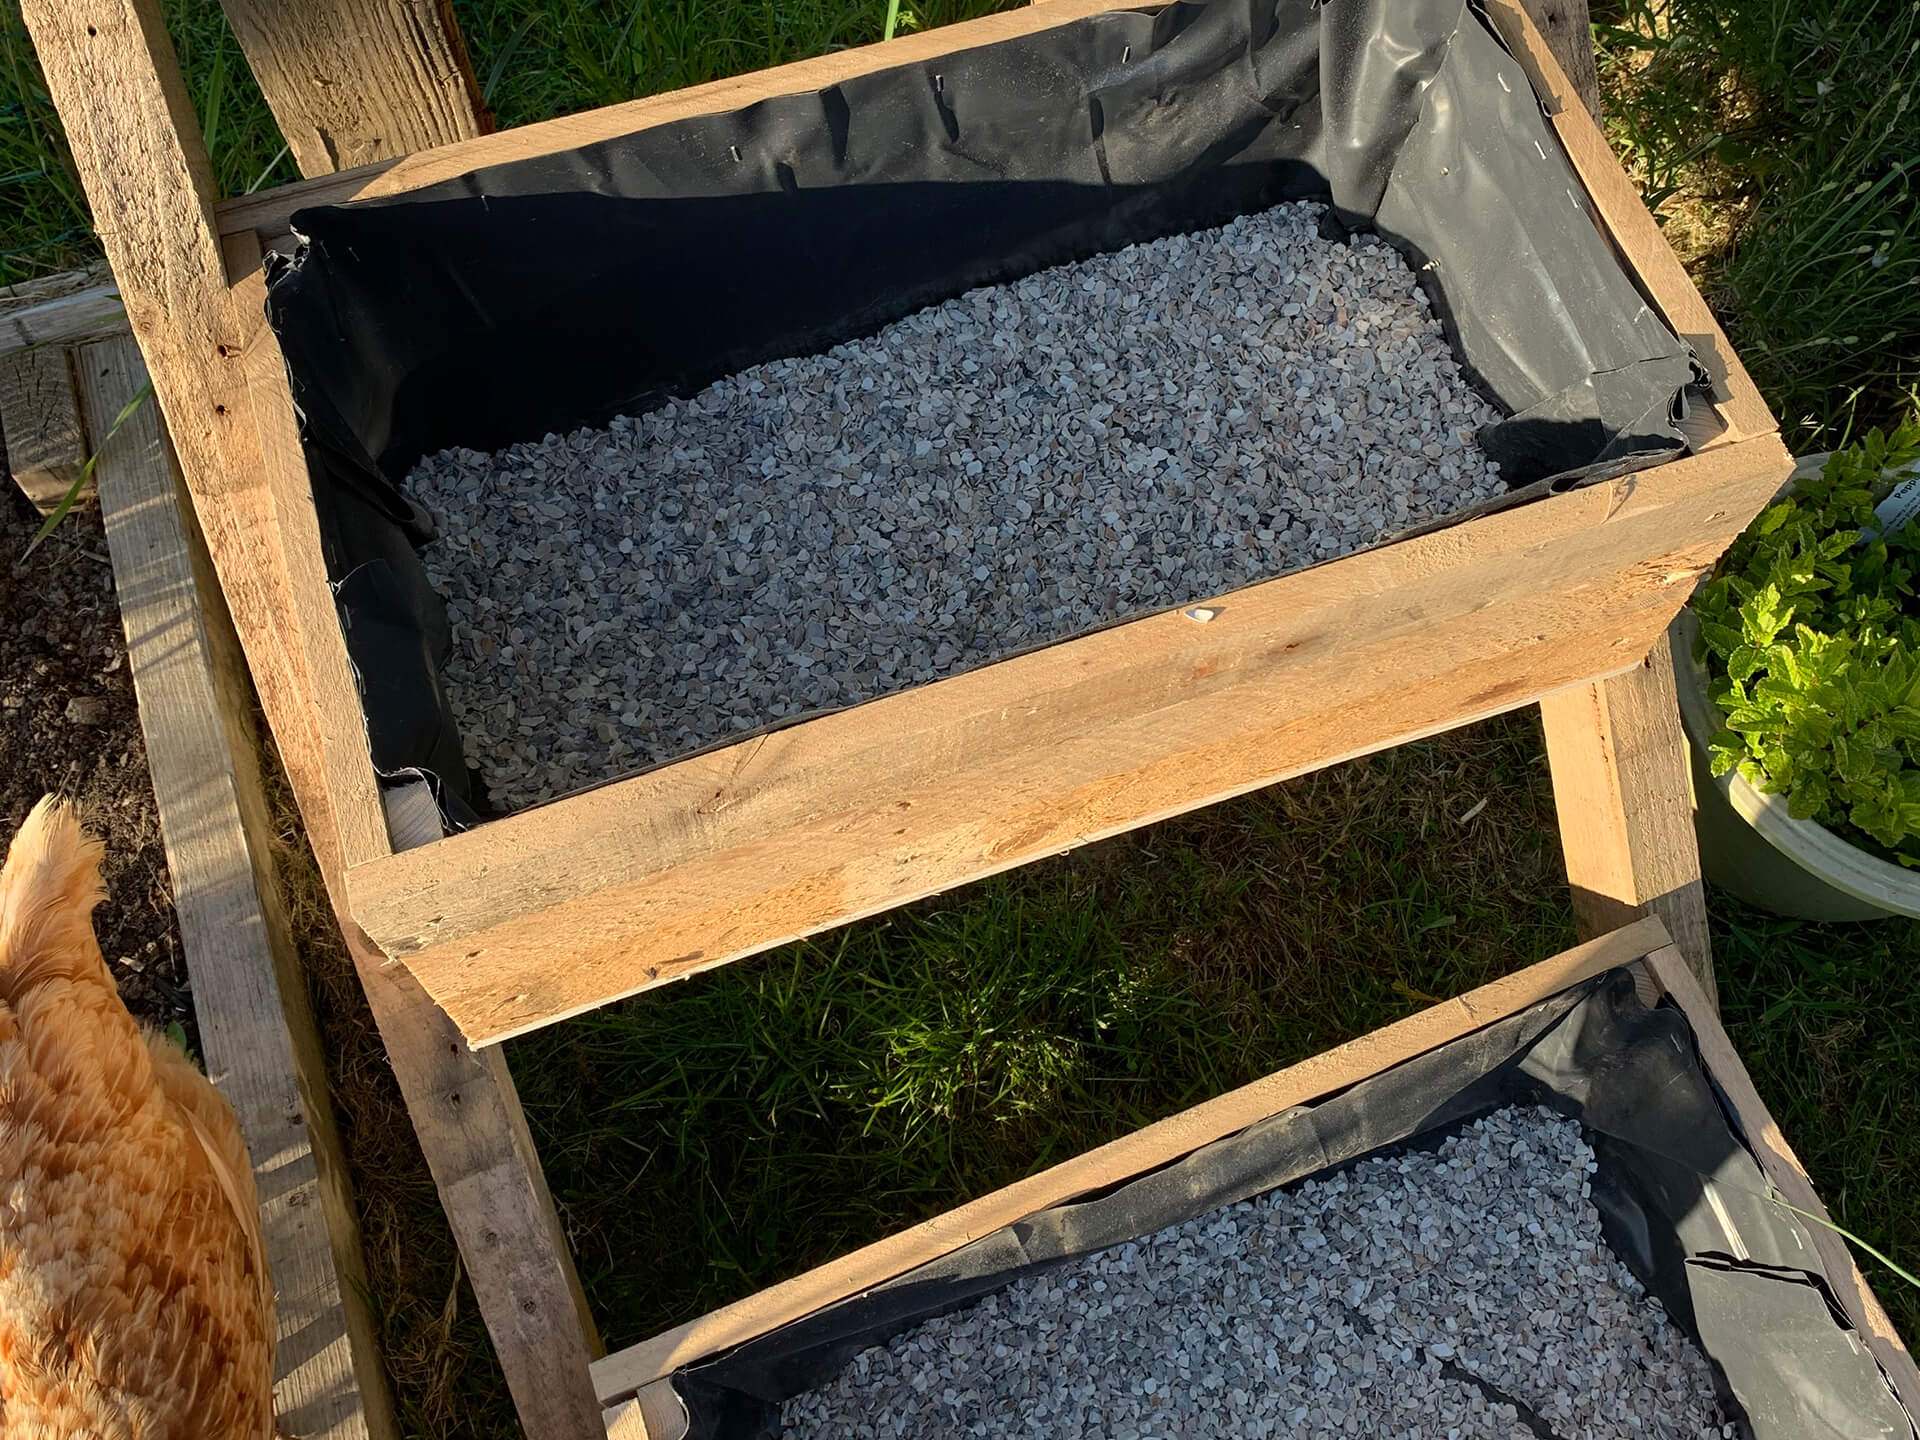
x=1813, y=640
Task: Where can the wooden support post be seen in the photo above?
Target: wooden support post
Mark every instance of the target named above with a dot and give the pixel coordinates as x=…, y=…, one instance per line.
x=1620, y=777
x=354, y=81
x=257, y=1031
x=111, y=71
x=1624, y=793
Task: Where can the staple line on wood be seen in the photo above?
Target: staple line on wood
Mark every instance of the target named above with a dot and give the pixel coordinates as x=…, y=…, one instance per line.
x=1096, y=441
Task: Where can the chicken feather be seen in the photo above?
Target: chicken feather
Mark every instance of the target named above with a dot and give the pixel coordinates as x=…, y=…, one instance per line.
x=134, y=1297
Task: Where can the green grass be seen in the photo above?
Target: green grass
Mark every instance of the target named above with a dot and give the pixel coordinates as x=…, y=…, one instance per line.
x=707, y=1139
x=1827, y=1018
x=764, y=1117
x=539, y=58
x=1782, y=139
x=44, y=226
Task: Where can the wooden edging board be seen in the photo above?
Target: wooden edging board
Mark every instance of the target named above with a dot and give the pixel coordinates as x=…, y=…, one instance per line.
x=257, y=1032
x=623, y=1374
x=635, y=1374
x=561, y=908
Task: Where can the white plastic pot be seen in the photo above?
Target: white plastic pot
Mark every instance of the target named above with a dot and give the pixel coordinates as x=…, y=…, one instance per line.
x=1751, y=846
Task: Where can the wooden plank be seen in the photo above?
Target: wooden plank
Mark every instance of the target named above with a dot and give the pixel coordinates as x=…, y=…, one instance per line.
x=1633, y=230
x=40, y=422
x=627, y=1372
x=1623, y=790
x=290, y=532
x=463, y=1106
x=24, y=294
x=270, y=211
x=561, y=908
x=63, y=319
x=1762, y=1134
x=354, y=81
x=1566, y=28
x=249, y=994
x=111, y=71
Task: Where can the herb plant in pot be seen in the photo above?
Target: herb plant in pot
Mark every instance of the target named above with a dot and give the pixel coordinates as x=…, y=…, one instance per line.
x=1800, y=688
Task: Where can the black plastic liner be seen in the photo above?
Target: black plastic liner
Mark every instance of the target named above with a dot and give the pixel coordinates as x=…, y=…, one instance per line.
x=560, y=291
x=1681, y=1200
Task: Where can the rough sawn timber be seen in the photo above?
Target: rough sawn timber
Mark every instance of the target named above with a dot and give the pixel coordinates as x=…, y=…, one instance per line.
x=257, y=1032
x=112, y=73
x=354, y=81
x=40, y=422
x=1623, y=790
x=567, y=906
x=60, y=309
x=1621, y=782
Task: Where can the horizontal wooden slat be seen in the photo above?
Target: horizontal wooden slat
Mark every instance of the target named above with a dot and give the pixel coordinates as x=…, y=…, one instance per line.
x=88, y=315
x=624, y=1373
x=63, y=309
x=546, y=913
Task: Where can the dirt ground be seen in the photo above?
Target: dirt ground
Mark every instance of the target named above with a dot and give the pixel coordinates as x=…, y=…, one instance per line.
x=68, y=725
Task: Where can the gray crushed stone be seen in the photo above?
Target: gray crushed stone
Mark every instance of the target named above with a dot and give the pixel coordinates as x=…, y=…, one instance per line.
x=1027, y=462
x=1459, y=1294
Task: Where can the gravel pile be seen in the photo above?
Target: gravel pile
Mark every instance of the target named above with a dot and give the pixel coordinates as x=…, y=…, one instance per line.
x=1141, y=430
x=1464, y=1294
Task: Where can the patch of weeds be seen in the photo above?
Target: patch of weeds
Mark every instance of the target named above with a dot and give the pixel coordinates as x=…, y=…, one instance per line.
x=1779, y=142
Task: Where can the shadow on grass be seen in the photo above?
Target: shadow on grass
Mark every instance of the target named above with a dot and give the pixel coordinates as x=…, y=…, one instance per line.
x=711, y=1138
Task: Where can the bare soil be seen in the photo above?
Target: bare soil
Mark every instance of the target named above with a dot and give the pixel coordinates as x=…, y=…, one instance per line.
x=69, y=726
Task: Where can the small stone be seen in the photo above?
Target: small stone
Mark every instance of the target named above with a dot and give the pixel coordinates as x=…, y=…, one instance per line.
x=1201, y=613
x=89, y=710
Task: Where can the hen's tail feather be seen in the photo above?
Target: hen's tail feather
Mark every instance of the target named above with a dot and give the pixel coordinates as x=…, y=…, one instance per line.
x=48, y=891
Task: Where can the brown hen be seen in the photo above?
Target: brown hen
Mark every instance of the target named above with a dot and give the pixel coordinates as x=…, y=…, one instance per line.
x=134, y=1299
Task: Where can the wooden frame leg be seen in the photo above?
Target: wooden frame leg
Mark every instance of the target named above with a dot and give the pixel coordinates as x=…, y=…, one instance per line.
x=1622, y=787
x=112, y=72
x=475, y=1138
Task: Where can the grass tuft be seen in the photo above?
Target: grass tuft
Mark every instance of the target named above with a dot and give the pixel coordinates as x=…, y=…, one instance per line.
x=1780, y=143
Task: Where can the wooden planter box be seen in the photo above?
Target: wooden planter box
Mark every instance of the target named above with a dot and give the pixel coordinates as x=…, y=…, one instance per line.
x=635, y=1382
x=541, y=915
x=565, y=907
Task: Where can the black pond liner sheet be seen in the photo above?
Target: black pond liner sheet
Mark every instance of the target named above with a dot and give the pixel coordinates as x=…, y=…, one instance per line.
x=560, y=291
x=1735, y=1271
